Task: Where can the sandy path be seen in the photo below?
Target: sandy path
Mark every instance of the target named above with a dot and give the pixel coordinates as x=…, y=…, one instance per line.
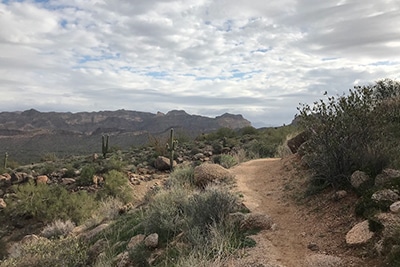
x=262, y=183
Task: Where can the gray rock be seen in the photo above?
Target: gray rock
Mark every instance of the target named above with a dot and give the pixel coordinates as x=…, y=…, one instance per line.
x=395, y=207
x=386, y=176
x=162, y=163
x=358, y=178
x=136, y=240
x=385, y=195
x=151, y=241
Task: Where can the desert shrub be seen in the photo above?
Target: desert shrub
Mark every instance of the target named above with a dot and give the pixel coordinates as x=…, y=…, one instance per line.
x=69, y=252
x=226, y=160
x=86, y=176
x=116, y=185
x=108, y=209
x=51, y=202
x=70, y=172
x=249, y=130
x=345, y=131
x=213, y=205
x=57, y=229
x=166, y=213
x=113, y=163
x=182, y=177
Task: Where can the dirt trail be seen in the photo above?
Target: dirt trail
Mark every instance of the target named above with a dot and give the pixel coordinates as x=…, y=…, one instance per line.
x=262, y=184
x=311, y=234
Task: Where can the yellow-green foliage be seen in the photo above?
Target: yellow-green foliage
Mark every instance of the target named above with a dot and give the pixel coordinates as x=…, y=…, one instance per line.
x=68, y=252
x=116, y=185
x=50, y=202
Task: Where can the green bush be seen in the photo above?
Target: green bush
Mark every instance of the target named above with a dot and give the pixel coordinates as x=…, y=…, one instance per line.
x=182, y=177
x=116, y=184
x=225, y=160
x=166, y=214
x=347, y=134
x=86, y=176
x=211, y=206
x=52, y=202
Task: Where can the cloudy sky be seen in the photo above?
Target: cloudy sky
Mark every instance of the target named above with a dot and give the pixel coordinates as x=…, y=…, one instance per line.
x=252, y=57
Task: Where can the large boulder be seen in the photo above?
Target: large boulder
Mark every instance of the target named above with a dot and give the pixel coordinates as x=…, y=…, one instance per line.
x=359, y=234
x=386, y=176
x=163, y=163
x=207, y=173
x=295, y=142
x=358, y=178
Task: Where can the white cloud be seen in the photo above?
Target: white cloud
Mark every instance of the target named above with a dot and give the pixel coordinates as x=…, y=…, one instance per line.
x=208, y=57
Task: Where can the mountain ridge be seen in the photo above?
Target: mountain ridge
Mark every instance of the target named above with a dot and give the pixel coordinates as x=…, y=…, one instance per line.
x=29, y=134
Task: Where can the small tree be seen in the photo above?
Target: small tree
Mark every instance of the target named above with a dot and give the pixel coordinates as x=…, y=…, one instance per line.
x=345, y=134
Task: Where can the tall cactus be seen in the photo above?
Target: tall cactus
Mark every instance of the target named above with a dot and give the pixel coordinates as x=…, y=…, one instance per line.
x=104, y=145
x=5, y=160
x=171, y=147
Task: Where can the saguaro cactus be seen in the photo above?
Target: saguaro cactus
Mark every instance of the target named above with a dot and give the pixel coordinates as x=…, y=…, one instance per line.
x=171, y=147
x=5, y=159
x=104, y=145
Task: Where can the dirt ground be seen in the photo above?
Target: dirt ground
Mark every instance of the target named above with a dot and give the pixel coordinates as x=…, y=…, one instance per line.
x=309, y=231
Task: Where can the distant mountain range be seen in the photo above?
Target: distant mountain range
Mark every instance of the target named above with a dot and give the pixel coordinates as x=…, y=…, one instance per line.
x=30, y=134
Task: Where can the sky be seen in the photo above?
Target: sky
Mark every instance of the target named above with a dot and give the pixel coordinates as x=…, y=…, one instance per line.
x=257, y=58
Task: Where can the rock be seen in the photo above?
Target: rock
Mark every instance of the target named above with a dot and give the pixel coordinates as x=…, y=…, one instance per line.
x=68, y=181
x=207, y=173
x=358, y=178
x=386, y=176
x=136, y=240
x=3, y=204
x=199, y=156
x=322, y=260
x=96, y=249
x=359, y=234
x=95, y=157
x=1, y=193
x=313, y=247
x=151, y=241
x=256, y=221
x=18, y=177
x=386, y=195
x=297, y=141
x=339, y=195
x=28, y=239
x=97, y=230
x=390, y=222
x=42, y=179
x=122, y=260
x=395, y=207
x=162, y=163
x=97, y=180
x=5, y=180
